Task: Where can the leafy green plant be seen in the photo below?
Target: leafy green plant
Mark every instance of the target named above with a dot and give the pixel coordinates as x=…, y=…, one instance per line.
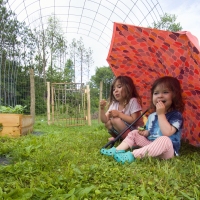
x=18, y=109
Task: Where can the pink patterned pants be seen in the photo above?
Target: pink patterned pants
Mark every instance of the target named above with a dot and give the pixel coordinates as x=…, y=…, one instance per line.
x=162, y=147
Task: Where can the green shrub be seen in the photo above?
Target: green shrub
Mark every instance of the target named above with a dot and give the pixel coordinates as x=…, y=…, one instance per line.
x=18, y=109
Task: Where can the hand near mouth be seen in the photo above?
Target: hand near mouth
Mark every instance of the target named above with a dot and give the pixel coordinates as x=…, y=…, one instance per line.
x=160, y=108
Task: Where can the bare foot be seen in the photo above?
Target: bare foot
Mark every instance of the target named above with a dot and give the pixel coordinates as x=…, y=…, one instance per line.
x=111, y=139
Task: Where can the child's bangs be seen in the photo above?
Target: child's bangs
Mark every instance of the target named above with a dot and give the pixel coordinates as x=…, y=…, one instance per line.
x=165, y=84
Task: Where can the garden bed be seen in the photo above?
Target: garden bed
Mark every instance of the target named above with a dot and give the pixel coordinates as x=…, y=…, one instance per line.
x=15, y=125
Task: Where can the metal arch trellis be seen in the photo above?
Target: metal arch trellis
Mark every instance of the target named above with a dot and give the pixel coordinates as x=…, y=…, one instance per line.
x=96, y=16
x=151, y=12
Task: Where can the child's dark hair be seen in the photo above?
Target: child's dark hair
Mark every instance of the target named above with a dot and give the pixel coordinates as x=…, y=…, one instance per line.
x=174, y=85
x=129, y=88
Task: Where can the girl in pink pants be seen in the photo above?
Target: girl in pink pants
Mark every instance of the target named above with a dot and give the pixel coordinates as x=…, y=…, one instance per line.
x=162, y=134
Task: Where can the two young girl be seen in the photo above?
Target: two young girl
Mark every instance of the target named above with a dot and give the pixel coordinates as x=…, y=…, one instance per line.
x=162, y=136
x=124, y=107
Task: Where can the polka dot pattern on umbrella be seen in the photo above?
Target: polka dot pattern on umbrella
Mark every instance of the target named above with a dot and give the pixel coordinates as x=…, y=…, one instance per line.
x=146, y=54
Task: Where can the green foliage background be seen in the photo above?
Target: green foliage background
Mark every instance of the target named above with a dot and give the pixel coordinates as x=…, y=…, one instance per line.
x=105, y=75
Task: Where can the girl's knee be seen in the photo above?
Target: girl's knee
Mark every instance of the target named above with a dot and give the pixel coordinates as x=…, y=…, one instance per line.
x=114, y=121
x=165, y=140
x=108, y=125
x=133, y=133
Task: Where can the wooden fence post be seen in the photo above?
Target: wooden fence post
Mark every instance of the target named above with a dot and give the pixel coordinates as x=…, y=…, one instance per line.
x=52, y=102
x=48, y=104
x=100, y=98
x=32, y=91
x=88, y=105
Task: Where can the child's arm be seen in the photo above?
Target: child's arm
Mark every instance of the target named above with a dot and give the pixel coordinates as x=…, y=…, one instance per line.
x=103, y=115
x=166, y=128
x=127, y=118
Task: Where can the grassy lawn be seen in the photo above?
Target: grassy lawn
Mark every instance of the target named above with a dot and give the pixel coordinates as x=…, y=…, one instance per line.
x=65, y=163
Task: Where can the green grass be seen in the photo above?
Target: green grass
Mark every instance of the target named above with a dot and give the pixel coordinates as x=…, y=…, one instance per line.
x=65, y=163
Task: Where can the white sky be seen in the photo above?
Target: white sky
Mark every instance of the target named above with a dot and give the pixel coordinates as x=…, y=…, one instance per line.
x=99, y=36
x=187, y=12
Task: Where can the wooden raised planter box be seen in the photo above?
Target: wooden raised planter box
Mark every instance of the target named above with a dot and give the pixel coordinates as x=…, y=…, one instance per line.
x=15, y=125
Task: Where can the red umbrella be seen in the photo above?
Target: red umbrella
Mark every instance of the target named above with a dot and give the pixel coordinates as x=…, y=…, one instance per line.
x=146, y=54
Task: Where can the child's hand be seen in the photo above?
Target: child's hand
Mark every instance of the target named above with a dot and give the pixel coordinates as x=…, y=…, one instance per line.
x=113, y=113
x=103, y=103
x=160, y=108
x=142, y=131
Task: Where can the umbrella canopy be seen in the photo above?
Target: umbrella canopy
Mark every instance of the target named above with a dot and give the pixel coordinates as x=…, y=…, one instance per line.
x=146, y=54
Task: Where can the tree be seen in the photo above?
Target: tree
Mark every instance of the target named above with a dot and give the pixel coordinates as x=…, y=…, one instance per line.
x=89, y=62
x=53, y=75
x=81, y=54
x=73, y=47
x=82, y=59
x=68, y=72
x=101, y=74
x=51, y=49
x=167, y=22
x=16, y=50
x=56, y=42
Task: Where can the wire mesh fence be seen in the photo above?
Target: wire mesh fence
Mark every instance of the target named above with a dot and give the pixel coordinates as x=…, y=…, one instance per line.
x=27, y=42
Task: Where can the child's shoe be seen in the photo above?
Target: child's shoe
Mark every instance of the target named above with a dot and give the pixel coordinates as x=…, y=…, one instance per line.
x=123, y=157
x=111, y=151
